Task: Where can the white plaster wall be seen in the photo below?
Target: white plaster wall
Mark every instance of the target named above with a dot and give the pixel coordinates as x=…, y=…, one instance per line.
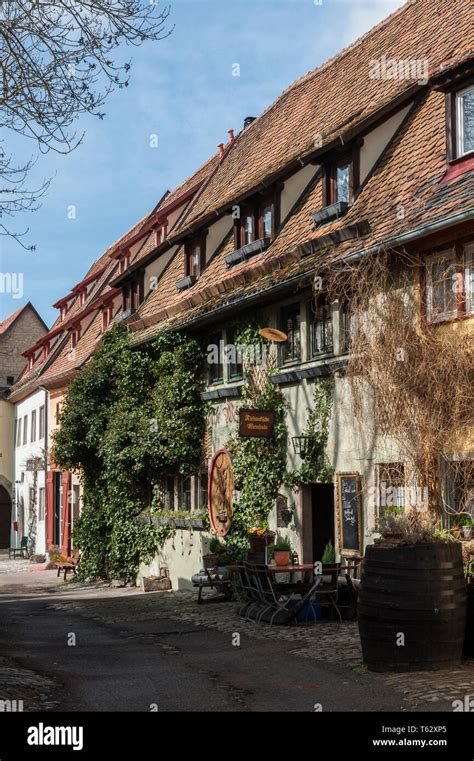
x=376, y=141
x=21, y=455
x=182, y=554
x=293, y=188
x=217, y=233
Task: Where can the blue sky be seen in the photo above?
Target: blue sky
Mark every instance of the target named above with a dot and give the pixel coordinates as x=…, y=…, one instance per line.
x=183, y=90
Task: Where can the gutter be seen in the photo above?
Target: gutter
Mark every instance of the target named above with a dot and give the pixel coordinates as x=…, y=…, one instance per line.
x=408, y=237
x=416, y=234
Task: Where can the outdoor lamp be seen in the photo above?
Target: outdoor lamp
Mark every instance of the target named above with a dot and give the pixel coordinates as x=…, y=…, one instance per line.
x=301, y=445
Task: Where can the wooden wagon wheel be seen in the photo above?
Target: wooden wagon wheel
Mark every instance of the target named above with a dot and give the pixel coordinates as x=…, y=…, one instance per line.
x=221, y=492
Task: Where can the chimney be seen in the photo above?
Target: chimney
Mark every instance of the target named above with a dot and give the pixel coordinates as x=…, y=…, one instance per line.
x=220, y=148
x=230, y=132
x=248, y=120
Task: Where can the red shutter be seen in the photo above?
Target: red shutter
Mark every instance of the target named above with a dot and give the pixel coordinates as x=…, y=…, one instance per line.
x=49, y=510
x=66, y=508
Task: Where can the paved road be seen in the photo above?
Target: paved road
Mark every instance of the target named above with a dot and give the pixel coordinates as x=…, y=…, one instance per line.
x=130, y=662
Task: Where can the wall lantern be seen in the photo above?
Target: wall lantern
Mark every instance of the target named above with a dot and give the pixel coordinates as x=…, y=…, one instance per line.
x=301, y=445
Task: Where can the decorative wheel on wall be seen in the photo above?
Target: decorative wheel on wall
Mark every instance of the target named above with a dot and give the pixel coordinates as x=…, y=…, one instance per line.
x=221, y=492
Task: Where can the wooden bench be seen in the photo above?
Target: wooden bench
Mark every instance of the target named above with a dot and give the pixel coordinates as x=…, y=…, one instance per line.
x=70, y=564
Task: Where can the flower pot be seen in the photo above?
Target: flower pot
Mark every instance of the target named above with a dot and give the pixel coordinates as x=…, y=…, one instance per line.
x=468, y=532
x=258, y=542
x=282, y=557
x=418, y=591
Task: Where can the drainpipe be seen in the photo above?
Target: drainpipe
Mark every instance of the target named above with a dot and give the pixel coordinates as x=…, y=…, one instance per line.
x=46, y=407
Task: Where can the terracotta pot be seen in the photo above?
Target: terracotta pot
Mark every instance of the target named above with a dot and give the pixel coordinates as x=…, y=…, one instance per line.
x=282, y=557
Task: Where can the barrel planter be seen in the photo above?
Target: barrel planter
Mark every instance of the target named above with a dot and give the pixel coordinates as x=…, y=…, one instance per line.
x=412, y=607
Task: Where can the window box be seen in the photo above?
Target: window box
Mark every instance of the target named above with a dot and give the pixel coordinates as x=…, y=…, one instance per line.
x=246, y=252
x=282, y=378
x=185, y=282
x=329, y=213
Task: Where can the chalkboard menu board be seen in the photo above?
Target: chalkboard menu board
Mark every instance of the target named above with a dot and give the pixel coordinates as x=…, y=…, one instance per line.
x=350, y=519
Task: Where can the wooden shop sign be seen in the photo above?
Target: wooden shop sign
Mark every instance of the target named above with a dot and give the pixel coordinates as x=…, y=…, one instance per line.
x=257, y=423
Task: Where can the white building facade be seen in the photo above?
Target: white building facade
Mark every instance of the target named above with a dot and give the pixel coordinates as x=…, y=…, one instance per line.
x=29, y=504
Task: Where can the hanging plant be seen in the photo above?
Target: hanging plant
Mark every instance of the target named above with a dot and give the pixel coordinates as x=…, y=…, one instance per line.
x=259, y=464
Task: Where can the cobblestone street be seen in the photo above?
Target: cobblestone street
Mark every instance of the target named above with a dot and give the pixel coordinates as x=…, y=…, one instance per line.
x=125, y=639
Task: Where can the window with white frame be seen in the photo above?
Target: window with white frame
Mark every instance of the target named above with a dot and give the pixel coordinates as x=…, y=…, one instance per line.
x=33, y=426
x=465, y=120
x=41, y=422
x=442, y=286
x=41, y=503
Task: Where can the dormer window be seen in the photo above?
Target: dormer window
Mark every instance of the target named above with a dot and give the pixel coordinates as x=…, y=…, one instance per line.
x=341, y=178
x=46, y=350
x=257, y=221
x=465, y=121
x=124, y=262
x=107, y=317
x=82, y=297
x=31, y=361
x=195, y=252
x=341, y=184
x=63, y=311
x=75, y=336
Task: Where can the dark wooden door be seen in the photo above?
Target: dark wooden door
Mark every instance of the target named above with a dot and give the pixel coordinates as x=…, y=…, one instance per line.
x=322, y=496
x=5, y=518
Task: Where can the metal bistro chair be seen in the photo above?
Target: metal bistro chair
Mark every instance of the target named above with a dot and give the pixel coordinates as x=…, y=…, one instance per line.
x=22, y=550
x=327, y=592
x=273, y=602
x=257, y=603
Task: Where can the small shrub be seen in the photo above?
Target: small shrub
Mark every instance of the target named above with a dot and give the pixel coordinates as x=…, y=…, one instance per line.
x=329, y=554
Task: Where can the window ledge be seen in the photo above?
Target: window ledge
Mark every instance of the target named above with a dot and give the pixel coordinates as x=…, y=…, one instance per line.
x=246, y=252
x=228, y=392
x=286, y=377
x=185, y=282
x=329, y=213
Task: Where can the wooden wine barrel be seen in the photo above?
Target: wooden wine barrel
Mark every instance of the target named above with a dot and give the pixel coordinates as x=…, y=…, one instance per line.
x=412, y=607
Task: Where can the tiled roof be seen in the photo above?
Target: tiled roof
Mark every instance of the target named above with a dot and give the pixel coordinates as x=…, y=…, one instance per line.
x=333, y=98
x=8, y=321
x=405, y=192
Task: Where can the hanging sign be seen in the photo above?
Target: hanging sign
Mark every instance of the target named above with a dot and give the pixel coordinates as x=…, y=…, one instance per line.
x=221, y=492
x=257, y=423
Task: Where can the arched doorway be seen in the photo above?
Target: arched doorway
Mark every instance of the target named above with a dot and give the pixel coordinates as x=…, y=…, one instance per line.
x=5, y=518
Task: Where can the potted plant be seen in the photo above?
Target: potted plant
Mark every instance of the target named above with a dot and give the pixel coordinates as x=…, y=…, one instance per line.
x=211, y=559
x=329, y=554
x=260, y=538
x=281, y=552
x=412, y=596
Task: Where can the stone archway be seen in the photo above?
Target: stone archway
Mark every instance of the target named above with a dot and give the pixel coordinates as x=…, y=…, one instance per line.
x=5, y=518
